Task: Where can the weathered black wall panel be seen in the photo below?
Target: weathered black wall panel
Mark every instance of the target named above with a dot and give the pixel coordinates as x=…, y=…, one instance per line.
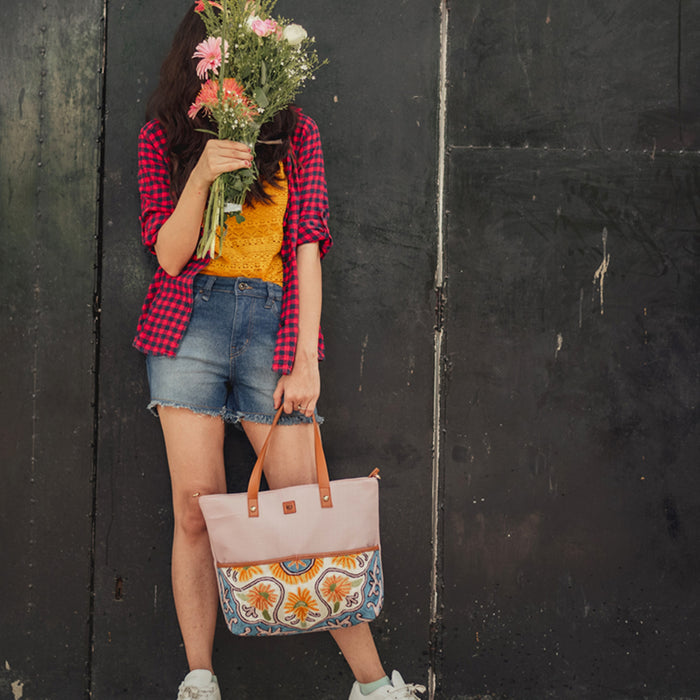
x=570, y=384
x=689, y=74
x=572, y=432
x=568, y=74
x=49, y=151
x=378, y=323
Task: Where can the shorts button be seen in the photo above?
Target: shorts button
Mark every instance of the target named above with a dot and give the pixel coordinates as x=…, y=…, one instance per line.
x=242, y=286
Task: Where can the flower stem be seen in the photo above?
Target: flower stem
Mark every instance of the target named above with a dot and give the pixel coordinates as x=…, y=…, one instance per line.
x=211, y=217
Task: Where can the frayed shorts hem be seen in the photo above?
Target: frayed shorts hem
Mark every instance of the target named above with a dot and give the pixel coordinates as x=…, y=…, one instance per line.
x=235, y=417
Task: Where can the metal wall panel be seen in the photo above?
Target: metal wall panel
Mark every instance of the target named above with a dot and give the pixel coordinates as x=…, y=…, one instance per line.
x=572, y=430
x=570, y=386
x=378, y=322
x=568, y=74
x=49, y=157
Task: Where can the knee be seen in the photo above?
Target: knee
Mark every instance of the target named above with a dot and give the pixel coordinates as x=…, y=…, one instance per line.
x=189, y=520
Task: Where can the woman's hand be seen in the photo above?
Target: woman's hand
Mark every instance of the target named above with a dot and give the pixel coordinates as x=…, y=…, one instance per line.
x=178, y=236
x=300, y=389
x=220, y=157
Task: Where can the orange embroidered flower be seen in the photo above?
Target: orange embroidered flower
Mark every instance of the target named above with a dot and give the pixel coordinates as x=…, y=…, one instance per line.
x=296, y=570
x=262, y=596
x=335, y=588
x=300, y=604
x=245, y=573
x=346, y=561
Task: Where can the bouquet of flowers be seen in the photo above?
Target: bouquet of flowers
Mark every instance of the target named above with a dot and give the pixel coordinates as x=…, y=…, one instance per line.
x=251, y=66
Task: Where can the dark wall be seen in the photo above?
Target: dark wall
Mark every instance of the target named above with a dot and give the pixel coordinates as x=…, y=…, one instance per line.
x=566, y=487
x=570, y=385
x=49, y=157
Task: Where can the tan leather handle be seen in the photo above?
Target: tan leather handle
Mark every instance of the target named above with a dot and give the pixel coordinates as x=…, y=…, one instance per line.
x=324, y=484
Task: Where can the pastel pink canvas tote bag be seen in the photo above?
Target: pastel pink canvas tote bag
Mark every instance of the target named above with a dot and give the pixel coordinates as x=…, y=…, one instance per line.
x=298, y=559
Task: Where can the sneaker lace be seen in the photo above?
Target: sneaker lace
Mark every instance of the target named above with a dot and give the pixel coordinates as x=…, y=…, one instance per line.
x=409, y=691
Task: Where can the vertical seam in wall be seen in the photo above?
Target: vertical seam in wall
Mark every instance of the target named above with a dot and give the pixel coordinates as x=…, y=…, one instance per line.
x=97, y=310
x=679, y=84
x=36, y=311
x=435, y=585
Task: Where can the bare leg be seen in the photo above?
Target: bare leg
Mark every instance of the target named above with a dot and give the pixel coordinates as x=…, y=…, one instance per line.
x=359, y=651
x=195, y=447
x=355, y=642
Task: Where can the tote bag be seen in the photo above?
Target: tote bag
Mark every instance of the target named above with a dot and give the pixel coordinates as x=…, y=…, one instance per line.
x=298, y=559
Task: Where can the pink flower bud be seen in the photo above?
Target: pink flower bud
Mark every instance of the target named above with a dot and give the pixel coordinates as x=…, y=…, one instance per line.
x=263, y=27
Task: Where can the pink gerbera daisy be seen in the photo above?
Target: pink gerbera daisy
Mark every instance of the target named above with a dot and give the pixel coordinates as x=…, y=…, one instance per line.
x=209, y=51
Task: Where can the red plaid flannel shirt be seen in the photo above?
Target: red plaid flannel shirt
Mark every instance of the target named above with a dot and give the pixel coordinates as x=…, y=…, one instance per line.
x=168, y=305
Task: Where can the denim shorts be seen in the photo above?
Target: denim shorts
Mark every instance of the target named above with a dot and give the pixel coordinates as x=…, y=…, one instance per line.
x=223, y=365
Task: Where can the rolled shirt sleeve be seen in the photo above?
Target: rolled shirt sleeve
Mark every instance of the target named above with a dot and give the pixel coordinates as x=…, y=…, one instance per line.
x=154, y=182
x=313, y=193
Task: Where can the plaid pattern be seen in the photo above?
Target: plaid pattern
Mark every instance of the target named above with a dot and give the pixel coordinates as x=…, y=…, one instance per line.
x=168, y=306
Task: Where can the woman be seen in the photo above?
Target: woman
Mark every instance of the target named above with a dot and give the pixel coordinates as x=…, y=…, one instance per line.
x=232, y=339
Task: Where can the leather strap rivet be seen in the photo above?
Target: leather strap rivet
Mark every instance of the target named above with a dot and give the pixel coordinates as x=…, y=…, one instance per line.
x=253, y=509
x=325, y=498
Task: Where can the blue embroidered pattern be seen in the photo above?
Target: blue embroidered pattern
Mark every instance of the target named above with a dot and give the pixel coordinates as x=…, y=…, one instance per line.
x=302, y=595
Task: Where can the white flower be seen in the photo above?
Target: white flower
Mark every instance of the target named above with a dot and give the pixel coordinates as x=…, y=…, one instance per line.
x=294, y=34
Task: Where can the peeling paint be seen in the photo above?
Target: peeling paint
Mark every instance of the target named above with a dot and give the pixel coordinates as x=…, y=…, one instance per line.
x=411, y=368
x=362, y=360
x=436, y=520
x=599, y=275
x=486, y=443
x=560, y=343
x=17, y=690
x=580, y=308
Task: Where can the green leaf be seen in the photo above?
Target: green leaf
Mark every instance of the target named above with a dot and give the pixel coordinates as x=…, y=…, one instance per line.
x=263, y=73
x=239, y=218
x=261, y=98
x=336, y=606
x=208, y=131
x=266, y=614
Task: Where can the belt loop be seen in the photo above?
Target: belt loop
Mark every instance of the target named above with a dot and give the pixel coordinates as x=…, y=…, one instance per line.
x=206, y=292
x=270, y=299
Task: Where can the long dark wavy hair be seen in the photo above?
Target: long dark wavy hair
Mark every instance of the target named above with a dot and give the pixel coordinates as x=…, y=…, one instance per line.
x=177, y=89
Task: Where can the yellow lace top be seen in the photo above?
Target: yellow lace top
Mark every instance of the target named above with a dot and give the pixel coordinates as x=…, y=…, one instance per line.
x=252, y=248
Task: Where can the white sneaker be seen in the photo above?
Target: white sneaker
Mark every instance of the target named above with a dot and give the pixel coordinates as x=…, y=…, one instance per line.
x=398, y=690
x=199, y=685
